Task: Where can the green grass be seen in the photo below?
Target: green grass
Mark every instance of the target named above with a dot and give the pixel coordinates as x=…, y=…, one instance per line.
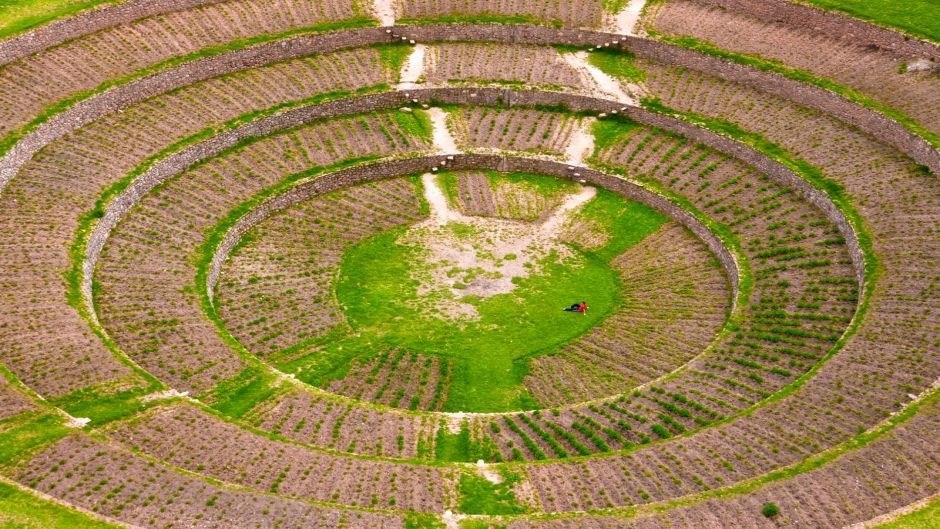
x=490, y=355
x=17, y=16
x=393, y=56
x=479, y=496
x=920, y=18
x=626, y=223
x=607, y=132
x=29, y=433
x=235, y=396
x=614, y=6
x=416, y=123
x=22, y=510
x=462, y=447
x=103, y=408
x=618, y=64
x=925, y=518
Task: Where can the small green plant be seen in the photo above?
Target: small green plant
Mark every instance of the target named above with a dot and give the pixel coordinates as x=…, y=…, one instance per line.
x=770, y=510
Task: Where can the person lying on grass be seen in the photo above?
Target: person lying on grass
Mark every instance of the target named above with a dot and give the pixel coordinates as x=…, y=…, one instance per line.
x=578, y=307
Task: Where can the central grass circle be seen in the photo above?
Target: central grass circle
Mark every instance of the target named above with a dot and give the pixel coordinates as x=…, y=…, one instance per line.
x=379, y=294
x=470, y=292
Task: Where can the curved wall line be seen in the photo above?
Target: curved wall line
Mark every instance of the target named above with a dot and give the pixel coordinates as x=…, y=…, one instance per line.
x=832, y=24
x=177, y=163
x=87, y=22
x=319, y=185
x=117, y=98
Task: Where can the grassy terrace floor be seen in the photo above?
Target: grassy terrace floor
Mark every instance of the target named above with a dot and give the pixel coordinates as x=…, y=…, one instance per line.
x=917, y=17
x=17, y=16
x=490, y=353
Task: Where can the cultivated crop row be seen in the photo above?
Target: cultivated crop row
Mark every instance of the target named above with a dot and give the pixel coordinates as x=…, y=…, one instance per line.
x=277, y=289
x=145, y=272
x=398, y=378
x=890, y=356
x=43, y=340
x=514, y=129
x=30, y=84
x=325, y=421
x=12, y=401
x=113, y=481
x=804, y=296
x=580, y=13
x=675, y=299
x=531, y=65
x=494, y=195
x=187, y=437
x=877, y=478
x=879, y=73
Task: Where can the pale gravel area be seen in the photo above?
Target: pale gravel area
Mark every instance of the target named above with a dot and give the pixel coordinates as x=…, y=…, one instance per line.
x=385, y=12
x=625, y=21
x=478, y=256
x=163, y=395
x=442, y=138
x=605, y=84
x=76, y=422
x=581, y=145
x=486, y=472
x=413, y=68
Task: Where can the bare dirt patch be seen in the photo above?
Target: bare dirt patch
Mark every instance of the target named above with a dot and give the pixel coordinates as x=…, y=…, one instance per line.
x=478, y=256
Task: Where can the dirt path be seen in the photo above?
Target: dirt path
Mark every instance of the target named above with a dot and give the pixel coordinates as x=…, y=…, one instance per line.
x=553, y=223
x=413, y=68
x=442, y=138
x=441, y=213
x=605, y=84
x=625, y=22
x=581, y=145
x=486, y=255
x=385, y=11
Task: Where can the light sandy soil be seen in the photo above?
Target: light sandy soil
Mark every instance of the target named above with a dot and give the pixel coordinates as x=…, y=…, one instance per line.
x=413, y=68
x=625, y=22
x=451, y=520
x=581, y=145
x=385, y=11
x=163, y=395
x=443, y=140
x=488, y=473
x=77, y=422
x=605, y=84
x=478, y=256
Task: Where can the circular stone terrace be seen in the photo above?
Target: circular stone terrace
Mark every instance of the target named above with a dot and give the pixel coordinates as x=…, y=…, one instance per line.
x=266, y=264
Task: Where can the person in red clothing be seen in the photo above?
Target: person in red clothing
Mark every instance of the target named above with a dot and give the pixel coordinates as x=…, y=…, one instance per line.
x=578, y=307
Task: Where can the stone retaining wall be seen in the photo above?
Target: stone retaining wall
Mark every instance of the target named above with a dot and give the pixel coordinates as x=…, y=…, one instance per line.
x=177, y=163
x=411, y=166
x=870, y=121
x=120, y=97
x=86, y=22
x=832, y=24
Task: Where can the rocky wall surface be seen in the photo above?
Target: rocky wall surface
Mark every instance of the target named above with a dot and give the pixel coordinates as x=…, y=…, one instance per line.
x=114, y=99
x=175, y=164
x=411, y=166
x=90, y=21
x=832, y=24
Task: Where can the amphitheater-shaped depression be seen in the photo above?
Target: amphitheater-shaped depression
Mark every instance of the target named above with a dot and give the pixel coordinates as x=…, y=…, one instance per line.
x=281, y=263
